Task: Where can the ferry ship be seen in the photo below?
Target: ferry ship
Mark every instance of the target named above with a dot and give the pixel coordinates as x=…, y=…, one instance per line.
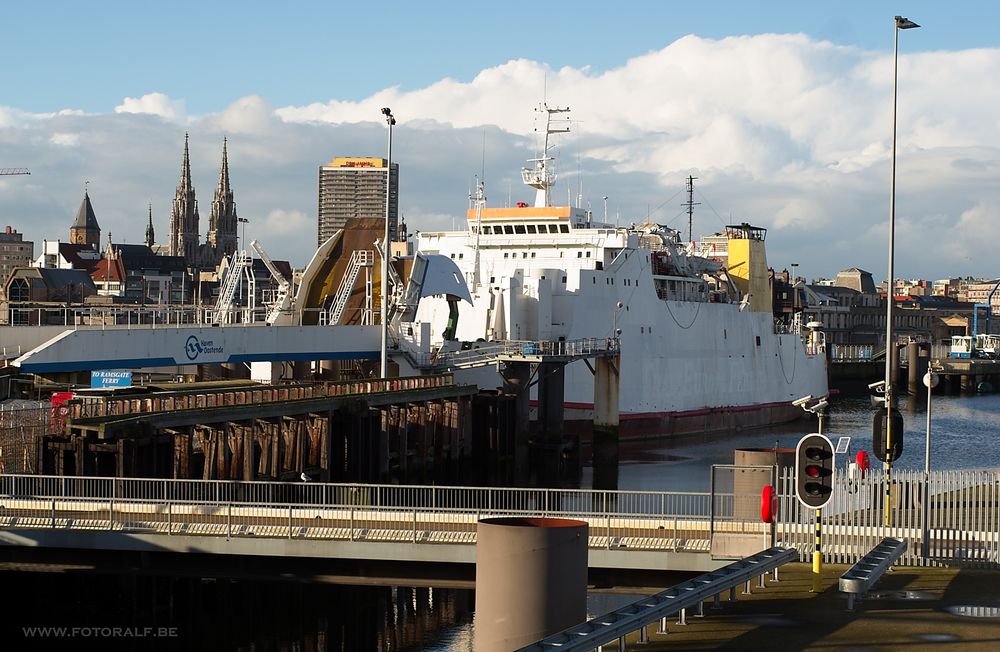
x=700, y=348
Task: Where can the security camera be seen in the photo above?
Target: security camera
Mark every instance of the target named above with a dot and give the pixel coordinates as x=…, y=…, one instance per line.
x=819, y=406
x=876, y=385
x=802, y=401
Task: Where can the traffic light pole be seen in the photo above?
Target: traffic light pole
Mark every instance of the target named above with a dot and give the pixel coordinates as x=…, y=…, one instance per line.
x=817, y=574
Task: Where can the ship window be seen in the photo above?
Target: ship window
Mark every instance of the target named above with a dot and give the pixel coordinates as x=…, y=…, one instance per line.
x=564, y=228
x=524, y=254
x=487, y=229
x=553, y=228
x=508, y=230
x=461, y=256
x=579, y=254
x=564, y=279
x=758, y=340
x=519, y=228
x=493, y=279
x=531, y=228
x=506, y=254
x=594, y=279
x=561, y=253
x=453, y=256
x=532, y=254
x=588, y=254
x=600, y=264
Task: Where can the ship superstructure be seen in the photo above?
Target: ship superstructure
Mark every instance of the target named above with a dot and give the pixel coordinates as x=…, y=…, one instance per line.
x=699, y=347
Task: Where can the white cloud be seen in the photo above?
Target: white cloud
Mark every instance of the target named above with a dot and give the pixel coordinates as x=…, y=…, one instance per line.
x=67, y=140
x=787, y=132
x=153, y=104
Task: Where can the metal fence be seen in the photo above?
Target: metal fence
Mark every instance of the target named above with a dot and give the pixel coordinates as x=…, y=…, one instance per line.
x=952, y=516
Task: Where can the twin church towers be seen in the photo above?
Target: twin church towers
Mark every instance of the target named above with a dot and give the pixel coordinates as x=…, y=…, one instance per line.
x=184, y=219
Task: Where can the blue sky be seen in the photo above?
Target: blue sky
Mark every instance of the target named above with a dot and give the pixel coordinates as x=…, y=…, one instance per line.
x=89, y=55
x=781, y=109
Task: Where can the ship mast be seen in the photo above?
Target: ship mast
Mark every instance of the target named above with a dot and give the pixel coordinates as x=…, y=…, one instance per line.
x=540, y=178
x=691, y=203
x=480, y=202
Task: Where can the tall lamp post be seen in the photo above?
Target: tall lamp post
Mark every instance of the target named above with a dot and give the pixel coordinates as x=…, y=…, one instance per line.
x=900, y=23
x=383, y=307
x=930, y=381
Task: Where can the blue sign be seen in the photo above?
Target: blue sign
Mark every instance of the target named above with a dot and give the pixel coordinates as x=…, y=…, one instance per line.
x=110, y=378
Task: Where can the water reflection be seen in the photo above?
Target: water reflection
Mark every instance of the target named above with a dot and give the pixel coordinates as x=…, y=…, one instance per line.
x=230, y=614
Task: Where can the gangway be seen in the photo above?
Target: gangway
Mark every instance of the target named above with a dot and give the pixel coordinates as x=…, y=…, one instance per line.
x=284, y=298
x=677, y=599
x=224, y=306
x=360, y=258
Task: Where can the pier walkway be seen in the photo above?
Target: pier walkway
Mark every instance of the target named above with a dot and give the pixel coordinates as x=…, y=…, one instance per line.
x=647, y=530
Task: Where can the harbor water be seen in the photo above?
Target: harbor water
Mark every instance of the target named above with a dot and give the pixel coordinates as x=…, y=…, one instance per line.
x=253, y=614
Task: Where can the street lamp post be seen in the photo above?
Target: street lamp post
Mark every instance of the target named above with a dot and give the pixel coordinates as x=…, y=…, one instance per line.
x=900, y=23
x=383, y=307
x=931, y=381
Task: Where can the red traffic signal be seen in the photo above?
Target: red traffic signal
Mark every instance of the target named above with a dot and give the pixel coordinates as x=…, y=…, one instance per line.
x=814, y=470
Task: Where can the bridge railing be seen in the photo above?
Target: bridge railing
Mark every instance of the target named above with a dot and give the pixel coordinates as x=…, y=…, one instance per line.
x=376, y=496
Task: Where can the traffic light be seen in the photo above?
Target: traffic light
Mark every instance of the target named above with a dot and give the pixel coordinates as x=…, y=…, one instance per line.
x=879, y=435
x=814, y=468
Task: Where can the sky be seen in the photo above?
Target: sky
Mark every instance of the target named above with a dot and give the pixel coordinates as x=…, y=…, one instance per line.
x=782, y=110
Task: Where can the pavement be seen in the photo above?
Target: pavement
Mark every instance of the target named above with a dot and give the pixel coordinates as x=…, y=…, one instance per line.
x=907, y=610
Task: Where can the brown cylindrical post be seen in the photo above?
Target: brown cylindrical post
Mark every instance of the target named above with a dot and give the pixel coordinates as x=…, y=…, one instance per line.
x=531, y=580
x=913, y=385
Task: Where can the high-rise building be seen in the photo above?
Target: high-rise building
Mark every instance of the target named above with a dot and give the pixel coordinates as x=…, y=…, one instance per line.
x=352, y=187
x=15, y=251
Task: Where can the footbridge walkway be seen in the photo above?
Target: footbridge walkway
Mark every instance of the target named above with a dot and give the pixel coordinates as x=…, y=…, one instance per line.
x=649, y=530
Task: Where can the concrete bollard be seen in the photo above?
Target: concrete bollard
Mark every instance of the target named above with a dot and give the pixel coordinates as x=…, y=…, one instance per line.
x=531, y=580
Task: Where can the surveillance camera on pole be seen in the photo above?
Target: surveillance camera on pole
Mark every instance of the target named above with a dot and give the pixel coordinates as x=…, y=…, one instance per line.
x=799, y=402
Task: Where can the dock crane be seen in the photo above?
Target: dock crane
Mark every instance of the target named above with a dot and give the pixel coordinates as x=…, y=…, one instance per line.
x=9, y=172
x=284, y=299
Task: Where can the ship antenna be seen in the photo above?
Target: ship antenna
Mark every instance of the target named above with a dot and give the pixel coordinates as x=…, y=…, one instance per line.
x=540, y=178
x=691, y=203
x=480, y=200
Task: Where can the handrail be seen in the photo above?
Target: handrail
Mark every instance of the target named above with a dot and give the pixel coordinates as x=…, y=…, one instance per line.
x=637, y=615
x=860, y=577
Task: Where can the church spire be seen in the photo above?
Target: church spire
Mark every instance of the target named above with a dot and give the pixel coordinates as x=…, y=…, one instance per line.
x=150, y=236
x=222, y=220
x=224, y=172
x=185, y=167
x=184, y=216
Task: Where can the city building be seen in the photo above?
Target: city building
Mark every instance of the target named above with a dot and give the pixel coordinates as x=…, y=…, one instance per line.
x=85, y=229
x=35, y=294
x=66, y=255
x=15, y=251
x=353, y=187
x=185, y=240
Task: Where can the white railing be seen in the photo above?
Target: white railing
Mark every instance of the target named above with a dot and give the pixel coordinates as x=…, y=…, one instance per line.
x=960, y=522
x=618, y=519
x=485, y=353
x=360, y=258
x=851, y=352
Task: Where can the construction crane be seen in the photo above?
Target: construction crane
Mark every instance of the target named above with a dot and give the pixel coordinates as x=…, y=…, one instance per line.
x=9, y=172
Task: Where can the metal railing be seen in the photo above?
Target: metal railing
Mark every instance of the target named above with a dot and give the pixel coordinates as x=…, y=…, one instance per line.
x=488, y=352
x=852, y=352
x=417, y=514
x=961, y=522
x=636, y=616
